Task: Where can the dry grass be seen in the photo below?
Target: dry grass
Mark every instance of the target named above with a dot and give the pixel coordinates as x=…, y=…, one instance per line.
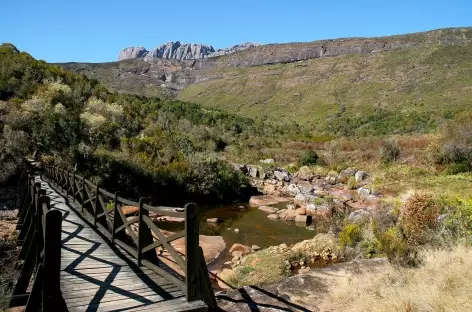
x=444, y=283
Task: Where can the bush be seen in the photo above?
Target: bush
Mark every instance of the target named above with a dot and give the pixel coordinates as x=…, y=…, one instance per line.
x=418, y=217
x=457, y=168
x=351, y=183
x=393, y=244
x=308, y=158
x=455, y=145
x=350, y=235
x=389, y=150
x=458, y=222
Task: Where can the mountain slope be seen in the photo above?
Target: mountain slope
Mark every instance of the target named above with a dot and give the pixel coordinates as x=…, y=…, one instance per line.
x=397, y=91
x=397, y=84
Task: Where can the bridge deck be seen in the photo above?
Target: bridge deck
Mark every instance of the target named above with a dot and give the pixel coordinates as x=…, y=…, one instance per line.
x=98, y=277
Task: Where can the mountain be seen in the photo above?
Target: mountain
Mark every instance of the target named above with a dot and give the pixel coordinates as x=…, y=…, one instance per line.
x=354, y=86
x=180, y=51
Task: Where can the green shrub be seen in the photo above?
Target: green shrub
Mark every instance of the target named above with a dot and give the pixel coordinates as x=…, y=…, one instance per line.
x=455, y=168
x=458, y=222
x=350, y=235
x=389, y=150
x=308, y=158
x=393, y=244
x=369, y=247
x=351, y=183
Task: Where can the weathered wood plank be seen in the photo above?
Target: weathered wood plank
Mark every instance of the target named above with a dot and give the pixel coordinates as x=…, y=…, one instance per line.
x=93, y=275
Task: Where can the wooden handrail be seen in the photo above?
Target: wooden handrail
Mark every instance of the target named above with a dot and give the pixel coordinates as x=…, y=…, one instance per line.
x=141, y=244
x=41, y=250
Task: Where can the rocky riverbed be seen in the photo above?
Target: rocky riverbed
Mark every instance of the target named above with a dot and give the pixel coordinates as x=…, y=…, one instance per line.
x=306, y=195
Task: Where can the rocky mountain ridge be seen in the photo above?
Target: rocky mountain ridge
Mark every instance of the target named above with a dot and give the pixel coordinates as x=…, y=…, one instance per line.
x=181, y=51
x=321, y=83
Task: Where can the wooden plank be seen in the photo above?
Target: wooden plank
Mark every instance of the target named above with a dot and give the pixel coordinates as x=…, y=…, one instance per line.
x=117, y=304
x=126, y=247
x=165, y=274
x=93, y=276
x=175, y=305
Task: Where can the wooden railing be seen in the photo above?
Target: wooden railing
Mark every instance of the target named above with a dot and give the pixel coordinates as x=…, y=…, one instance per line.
x=138, y=235
x=40, y=240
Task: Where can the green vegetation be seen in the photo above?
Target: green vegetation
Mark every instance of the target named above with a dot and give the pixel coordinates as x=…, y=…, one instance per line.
x=384, y=93
x=308, y=158
x=169, y=150
x=400, y=232
x=350, y=235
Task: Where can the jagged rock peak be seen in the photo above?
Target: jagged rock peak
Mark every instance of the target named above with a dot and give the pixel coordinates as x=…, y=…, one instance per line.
x=181, y=51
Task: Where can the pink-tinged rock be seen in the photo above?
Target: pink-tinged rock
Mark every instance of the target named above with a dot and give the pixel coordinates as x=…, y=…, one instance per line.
x=273, y=216
x=214, y=220
x=240, y=247
x=265, y=200
x=268, y=209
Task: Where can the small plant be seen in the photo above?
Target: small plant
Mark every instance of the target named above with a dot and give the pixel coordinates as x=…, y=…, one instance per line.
x=350, y=235
x=370, y=247
x=389, y=150
x=418, y=217
x=351, y=183
x=393, y=244
x=308, y=158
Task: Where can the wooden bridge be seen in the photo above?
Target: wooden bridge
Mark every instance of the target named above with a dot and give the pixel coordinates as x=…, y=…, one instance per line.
x=81, y=252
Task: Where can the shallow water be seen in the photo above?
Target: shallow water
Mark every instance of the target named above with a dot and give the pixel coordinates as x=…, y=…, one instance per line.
x=254, y=228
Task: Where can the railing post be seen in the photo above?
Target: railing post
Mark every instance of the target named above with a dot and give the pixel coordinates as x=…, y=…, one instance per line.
x=82, y=192
x=191, y=251
x=52, y=257
x=73, y=186
x=39, y=223
x=115, y=217
x=95, y=209
x=67, y=183
x=141, y=225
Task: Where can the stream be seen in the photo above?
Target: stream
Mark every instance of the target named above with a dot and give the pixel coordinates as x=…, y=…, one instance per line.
x=253, y=225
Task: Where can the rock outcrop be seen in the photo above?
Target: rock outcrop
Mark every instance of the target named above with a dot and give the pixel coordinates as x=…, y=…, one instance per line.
x=180, y=51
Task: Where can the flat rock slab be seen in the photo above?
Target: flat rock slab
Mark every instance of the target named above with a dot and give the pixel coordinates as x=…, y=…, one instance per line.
x=306, y=291
x=266, y=200
x=268, y=209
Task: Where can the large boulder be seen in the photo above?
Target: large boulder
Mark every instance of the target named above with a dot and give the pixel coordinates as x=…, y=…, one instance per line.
x=291, y=190
x=253, y=171
x=360, y=176
x=346, y=173
x=305, y=173
x=363, y=192
x=224, y=277
x=245, y=250
x=359, y=215
x=318, y=210
x=305, y=187
x=282, y=175
x=302, y=219
x=288, y=215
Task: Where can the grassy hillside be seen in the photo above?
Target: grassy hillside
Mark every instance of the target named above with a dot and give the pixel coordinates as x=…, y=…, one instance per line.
x=363, y=94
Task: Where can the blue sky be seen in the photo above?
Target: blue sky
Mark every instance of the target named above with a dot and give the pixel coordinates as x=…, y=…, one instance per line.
x=96, y=30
